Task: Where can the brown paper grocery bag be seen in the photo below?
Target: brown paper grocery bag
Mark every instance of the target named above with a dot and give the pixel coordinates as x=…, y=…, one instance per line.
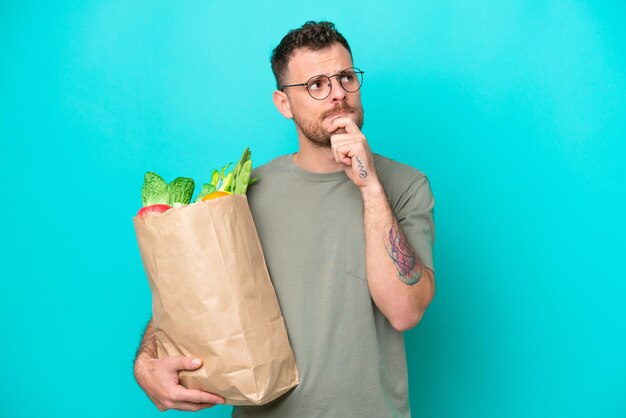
x=212, y=298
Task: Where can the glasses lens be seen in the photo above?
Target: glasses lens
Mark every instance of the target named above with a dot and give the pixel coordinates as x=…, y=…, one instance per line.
x=319, y=87
x=351, y=80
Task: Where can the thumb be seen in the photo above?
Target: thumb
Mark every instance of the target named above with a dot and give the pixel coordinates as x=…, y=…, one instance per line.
x=185, y=363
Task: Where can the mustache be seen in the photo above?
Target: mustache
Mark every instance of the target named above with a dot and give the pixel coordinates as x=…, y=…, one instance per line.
x=339, y=108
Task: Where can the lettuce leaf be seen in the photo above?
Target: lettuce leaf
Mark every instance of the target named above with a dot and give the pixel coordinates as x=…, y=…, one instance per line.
x=180, y=191
x=154, y=190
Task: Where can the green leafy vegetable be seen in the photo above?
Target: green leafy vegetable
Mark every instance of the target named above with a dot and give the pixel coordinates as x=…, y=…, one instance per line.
x=207, y=188
x=243, y=178
x=226, y=183
x=223, y=170
x=215, y=178
x=241, y=174
x=180, y=191
x=154, y=190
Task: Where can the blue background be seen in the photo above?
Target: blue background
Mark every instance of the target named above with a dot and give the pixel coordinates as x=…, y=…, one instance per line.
x=515, y=110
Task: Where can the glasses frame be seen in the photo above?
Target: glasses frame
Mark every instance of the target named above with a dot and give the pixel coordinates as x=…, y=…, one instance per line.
x=356, y=71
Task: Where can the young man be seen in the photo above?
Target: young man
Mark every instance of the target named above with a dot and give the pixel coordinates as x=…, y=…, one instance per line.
x=347, y=237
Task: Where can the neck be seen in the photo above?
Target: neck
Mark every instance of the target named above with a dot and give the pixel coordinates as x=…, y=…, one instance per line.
x=316, y=159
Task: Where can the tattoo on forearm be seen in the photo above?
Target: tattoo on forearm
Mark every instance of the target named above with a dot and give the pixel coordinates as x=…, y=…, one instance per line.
x=362, y=172
x=406, y=261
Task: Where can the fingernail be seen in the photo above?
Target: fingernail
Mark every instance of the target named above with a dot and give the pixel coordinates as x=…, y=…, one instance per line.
x=195, y=362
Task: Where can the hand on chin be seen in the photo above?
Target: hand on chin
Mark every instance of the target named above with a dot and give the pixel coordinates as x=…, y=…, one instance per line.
x=339, y=131
x=333, y=129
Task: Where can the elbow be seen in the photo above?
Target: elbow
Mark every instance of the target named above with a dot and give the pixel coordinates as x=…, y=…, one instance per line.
x=403, y=323
x=412, y=314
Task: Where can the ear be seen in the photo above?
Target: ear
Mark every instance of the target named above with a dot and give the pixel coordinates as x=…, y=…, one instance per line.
x=281, y=101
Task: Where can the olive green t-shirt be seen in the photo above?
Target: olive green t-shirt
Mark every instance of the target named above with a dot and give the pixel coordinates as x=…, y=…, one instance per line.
x=350, y=361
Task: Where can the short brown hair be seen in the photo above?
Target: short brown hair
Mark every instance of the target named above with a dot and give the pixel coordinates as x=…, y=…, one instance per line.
x=312, y=35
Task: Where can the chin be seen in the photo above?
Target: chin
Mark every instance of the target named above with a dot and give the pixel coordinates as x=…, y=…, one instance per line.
x=320, y=142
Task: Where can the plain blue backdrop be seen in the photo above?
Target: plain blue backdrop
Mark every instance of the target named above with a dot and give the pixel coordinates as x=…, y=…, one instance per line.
x=515, y=110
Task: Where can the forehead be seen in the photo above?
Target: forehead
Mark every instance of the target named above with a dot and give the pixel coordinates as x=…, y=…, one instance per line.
x=305, y=63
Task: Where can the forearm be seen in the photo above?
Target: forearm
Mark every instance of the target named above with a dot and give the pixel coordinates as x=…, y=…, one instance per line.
x=400, y=285
x=159, y=378
x=148, y=346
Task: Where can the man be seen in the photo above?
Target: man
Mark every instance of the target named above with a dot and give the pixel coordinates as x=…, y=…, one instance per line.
x=347, y=237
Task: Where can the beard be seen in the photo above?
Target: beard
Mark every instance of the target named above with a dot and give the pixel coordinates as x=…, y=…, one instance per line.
x=320, y=136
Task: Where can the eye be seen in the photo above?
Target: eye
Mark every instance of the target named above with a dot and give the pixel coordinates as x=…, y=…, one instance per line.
x=316, y=83
x=348, y=77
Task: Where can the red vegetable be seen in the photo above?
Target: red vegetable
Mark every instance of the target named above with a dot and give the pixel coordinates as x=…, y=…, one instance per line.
x=159, y=207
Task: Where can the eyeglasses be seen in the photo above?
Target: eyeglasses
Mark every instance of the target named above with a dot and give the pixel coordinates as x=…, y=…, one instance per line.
x=319, y=86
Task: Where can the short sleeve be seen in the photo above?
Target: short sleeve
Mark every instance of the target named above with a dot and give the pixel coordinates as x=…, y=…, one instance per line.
x=414, y=211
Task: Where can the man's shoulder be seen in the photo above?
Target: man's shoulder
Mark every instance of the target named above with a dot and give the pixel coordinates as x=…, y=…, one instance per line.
x=276, y=163
x=269, y=176
x=402, y=183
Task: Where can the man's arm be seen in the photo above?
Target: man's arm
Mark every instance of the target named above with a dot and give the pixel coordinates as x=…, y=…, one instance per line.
x=400, y=285
x=148, y=343
x=159, y=378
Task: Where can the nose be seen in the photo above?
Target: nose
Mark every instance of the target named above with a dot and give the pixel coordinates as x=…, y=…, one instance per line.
x=337, y=93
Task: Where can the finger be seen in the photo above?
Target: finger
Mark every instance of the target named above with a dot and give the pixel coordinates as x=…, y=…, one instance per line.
x=344, y=154
x=340, y=122
x=336, y=155
x=198, y=396
x=190, y=406
x=184, y=363
x=341, y=139
x=355, y=142
x=334, y=147
x=334, y=143
x=158, y=404
x=337, y=127
x=347, y=123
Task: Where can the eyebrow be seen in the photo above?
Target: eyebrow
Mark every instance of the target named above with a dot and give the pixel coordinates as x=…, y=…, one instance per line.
x=335, y=73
